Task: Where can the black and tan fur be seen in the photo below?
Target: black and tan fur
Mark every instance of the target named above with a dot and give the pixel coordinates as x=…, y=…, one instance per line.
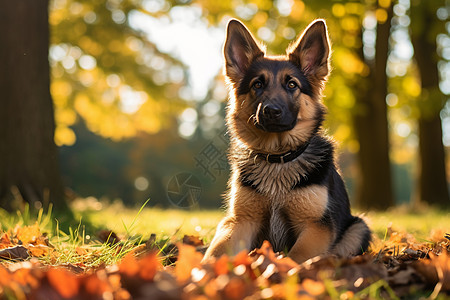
x=300, y=205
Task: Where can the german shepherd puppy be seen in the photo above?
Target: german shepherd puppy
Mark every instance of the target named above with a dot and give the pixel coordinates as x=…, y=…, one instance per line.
x=284, y=186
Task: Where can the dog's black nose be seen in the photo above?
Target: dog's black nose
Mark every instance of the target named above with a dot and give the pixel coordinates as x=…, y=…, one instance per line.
x=272, y=111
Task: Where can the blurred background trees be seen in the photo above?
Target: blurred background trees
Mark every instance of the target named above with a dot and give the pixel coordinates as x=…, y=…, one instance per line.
x=426, y=30
x=136, y=100
x=29, y=168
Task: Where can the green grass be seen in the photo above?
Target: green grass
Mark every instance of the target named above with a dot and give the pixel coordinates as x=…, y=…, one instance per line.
x=79, y=247
x=168, y=222
x=165, y=223
x=129, y=223
x=421, y=223
x=134, y=226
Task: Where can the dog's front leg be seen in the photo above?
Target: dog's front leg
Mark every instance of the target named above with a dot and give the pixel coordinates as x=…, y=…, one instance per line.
x=239, y=228
x=314, y=239
x=233, y=235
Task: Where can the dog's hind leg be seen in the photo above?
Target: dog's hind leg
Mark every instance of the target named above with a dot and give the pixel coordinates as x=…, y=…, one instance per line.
x=355, y=239
x=313, y=240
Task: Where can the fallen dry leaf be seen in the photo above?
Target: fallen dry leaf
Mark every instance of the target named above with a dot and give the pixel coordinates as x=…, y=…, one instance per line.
x=188, y=259
x=27, y=234
x=16, y=252
x=108, y=237
x=5, y=241
x=39, y=250
x=400, y=266
x=192, y=240
x=222, y=265
x=436, y=270
x=65, y=283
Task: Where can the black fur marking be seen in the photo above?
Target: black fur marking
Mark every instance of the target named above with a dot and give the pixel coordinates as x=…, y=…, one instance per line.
x=266, y=232
x=338, y=207
x=367, y=237
x=263, y=232
x=274, y=66
x=342, y=230
x=317, y=161
x=339, y=211
x=327, y=220
x=320, y=172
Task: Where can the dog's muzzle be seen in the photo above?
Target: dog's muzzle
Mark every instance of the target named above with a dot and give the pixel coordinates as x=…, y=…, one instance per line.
x=275, y=117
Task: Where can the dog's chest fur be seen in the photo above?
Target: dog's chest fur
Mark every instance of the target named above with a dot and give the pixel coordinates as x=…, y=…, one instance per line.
x=280, y=232
x=278, y=180
x=294, y=192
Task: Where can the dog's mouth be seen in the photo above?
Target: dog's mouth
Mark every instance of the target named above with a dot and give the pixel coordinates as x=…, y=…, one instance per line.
x=274, y=127
x=272, y=118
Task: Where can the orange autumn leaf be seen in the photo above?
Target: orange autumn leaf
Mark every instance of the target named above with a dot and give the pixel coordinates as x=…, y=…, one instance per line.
x=64, y=282
x=284, y=264
x=242, y=258
x=38, y=251
x=149, y=265
x=25, y=277
x=210, y=289
x=221, y=266
x=436, y=270
x=80, y=251
x=129, y=265
x=314, y=288
x=188, y=259
x=94, y=285
x=192, y=240
x=442, y=264
x=114, y=281
x=236, y=289
x=5, y=241
x=5, y=276
x=28, y=234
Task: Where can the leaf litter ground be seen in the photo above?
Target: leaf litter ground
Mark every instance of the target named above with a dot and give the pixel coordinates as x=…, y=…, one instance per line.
x=397, y=267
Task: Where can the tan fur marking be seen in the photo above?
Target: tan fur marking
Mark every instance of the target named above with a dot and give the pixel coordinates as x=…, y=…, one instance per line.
x=314, y=240
x=307, y=204
x=233, y=235
x=308, y=109
x=238, y=229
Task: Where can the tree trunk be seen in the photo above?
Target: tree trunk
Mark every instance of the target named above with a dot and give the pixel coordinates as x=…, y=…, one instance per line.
x=432, y=181
x=374, y=189
x=29, y=168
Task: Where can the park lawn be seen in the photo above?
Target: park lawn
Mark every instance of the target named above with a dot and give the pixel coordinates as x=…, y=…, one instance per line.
x=76, y=264
x=92, y=215
x=167, y=222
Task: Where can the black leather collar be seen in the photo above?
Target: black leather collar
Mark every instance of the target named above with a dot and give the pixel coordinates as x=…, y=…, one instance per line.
x=284, y=157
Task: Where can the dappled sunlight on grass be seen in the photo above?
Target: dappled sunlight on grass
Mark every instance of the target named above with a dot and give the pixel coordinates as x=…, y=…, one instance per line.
x=162, y=222
x=421, y=223
x=167, y=222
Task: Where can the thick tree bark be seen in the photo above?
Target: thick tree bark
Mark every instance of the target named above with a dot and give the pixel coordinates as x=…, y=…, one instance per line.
x=432, y=185
x=374, y=189
x=29, y=167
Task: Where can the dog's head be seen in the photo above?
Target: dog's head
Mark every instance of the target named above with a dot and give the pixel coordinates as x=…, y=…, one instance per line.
x=275, y=100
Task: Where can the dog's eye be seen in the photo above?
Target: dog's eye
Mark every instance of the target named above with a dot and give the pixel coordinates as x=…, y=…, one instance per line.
x=257, y=85
x=292, y=85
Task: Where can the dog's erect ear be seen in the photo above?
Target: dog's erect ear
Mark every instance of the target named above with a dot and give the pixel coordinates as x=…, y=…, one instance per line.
x=240, y=50
x=311, y=51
